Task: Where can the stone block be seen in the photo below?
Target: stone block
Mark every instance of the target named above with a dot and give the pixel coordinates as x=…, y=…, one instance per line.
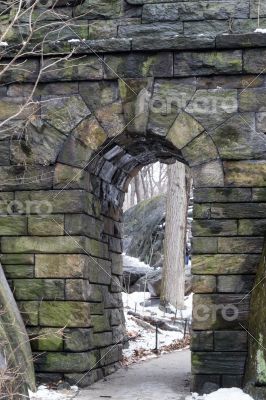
x=203, y=284
x=214, y=227
x=159, y=30
x=259, y=194
x=84, y=380
x=32, y=178
x=36, y=244
x=82, y=290
x=230, y=341
x=204, y=245
x=61, y=266
x=18, y=271
x=30, y=312
x=207, y=63
x=81, y=224
x=241, y=40
x=169, y=96
x=173, y=43
x=184, y=129
x=13, y=225
x=15, y=73
x=261, y=122
x=80, y=339
x=46, y=226
x=100, y=323
x=240, y=245
x=205, y=384
x=85, y=68
x=202, y=341
x=46, y=339
x=220, y=195
x=245, y=173
x=208, y=175
x=69, y=177
x=222, y=264
x=117, y=264
x=220, y=311
x=69, y=314
x=238, y=210
x=201, y=211
x=229, y=381
x=110, y=355
x=89, y=131
x=15, y=108
x=66, y=362
x=229, y=82
x=237, y=139
x=254, y=60
x=102, y=339
x=200, y=150
x=218, y=363
x=209, y=27
x=101, y=9
x=39, y=289
x=15, y=259
x=252, y=100
x=137, y=65
x=235, y=283
x=252, y=227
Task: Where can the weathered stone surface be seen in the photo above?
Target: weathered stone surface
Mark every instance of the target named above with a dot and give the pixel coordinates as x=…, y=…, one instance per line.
x=202, y=211
x=261, y=122
x=219, y=311
x=218, y=195
x=61, y=266
x=200, y=150
x=207, y=63
x=89, y=67
x=46, y=339
x=214, y=228
x=38, y=289
x=91, y=133
x=99, y=271
x=30, y=312
x=208, y=175
x=212, y=107
x=69, y=177
x=184, y=129
x=81, y=224
x=18, y=271
x=204, y=284
x=66, y=362
x=222, y=264
x=102, y=9
x=46, y=226
x=169, y=97
x=252, y=227
x=202, y=341
x=17, y=108
x=204, y=245
x=254, y=60
x=245, y=40
x=32, y=178
x=13, y=225
x=252, y=100
x=237, y=139
x=230, y=81
x=173, y=43
x=64, y=314
x=64, y=113
x=245, y=173
x=78, y=339
x=111, y=119
x=238, y=210
x=236, y=341
x=219, y=362
x=139, y=65
x=36, y=244
x=100, y=323
x=162, y=30
x=240, y=245
x=259, y=194
x=235, y=283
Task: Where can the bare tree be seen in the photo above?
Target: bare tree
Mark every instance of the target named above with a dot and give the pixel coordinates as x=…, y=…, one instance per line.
x=173, y=285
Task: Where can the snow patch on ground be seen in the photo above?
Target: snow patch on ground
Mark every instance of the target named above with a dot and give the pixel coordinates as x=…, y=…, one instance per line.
x=144, y=338
x=260, y=30
x=43, y=393
x=222, y=394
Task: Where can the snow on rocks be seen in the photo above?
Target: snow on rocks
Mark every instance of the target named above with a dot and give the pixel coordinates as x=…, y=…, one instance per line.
x=222, y=394
x=43, y=393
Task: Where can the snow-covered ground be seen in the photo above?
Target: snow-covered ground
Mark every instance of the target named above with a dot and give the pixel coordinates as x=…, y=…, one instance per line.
x=144, y=336
x=43, y=393
x=222, y=394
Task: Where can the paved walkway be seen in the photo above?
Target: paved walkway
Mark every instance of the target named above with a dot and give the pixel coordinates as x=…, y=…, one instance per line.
x=163, y=378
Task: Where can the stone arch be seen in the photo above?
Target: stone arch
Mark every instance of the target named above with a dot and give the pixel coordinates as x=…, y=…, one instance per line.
x=211, y=116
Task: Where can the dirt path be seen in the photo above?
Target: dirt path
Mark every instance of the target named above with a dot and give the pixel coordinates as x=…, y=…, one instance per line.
x=163, y=378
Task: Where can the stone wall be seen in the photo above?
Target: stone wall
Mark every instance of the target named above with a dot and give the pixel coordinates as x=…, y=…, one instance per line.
x=68, y=156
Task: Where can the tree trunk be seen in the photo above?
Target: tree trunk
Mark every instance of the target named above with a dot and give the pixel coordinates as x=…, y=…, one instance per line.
x=173, y=282
x=137, y=188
